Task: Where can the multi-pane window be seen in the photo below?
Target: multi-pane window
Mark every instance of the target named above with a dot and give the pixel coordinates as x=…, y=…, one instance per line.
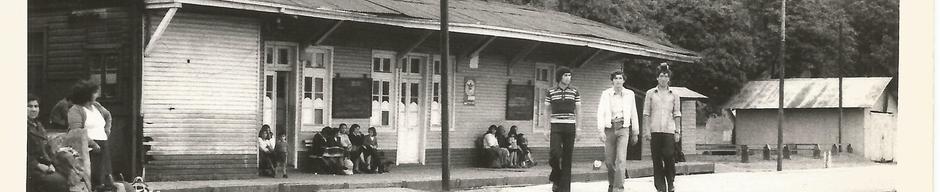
x=542, y=75
x=279, y=54
x=316, y=63
x=383, y=65
x=381, y=93
x=103, y=68
x=411, y=65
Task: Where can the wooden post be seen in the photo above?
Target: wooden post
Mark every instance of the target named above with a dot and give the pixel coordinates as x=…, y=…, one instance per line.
x=783, y=50
x=745, y=154
x=445, y=115
x=816, y=152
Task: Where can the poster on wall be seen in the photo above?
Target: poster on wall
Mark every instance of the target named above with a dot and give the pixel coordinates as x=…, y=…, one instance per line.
x=353, y=98
x=469, y=90
x=519, y=102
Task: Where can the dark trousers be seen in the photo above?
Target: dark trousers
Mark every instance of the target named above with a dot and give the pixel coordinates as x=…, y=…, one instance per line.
x=662, y=147
x=43, y=182
x=561, y=146
x=266, y=163
x=101, y=164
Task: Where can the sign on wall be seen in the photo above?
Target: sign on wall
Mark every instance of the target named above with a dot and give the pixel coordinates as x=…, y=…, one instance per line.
x=519, y=102
x=353, y=97
x=469, y=90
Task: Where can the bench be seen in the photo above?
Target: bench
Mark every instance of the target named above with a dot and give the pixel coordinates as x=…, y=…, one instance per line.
x=796, y=147
x=717, y=149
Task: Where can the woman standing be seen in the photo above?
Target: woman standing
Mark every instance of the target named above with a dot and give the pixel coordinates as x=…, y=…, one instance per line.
x=87, y=114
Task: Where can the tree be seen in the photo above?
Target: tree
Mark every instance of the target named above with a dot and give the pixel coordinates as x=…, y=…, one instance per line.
x=876, y=23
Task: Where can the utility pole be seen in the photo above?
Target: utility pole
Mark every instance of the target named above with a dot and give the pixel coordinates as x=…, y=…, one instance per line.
x=783, y=51
x=445, y=103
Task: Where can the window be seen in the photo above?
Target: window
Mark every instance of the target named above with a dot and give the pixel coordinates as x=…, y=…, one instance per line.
x=103, y=68
x=283, y=56
x=542, y=75
x=317, y=62
x=318, y=84
x=415, y=65
x=414, y=93
x=437, y=67
x=308, y=87
x=320, y=60
x=383, y=65
x=437, y=92
x=269, y=55
x=280, y=54
x=269, y=86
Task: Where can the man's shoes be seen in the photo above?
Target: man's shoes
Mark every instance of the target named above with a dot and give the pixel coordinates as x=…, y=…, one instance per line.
x=555, y=187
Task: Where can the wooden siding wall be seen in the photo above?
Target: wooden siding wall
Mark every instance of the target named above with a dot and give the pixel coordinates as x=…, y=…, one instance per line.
x=70, y=41
x=471, y=121
x=200, y=97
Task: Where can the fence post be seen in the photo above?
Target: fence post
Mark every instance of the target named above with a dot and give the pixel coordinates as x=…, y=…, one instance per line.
x=816, y=152
x=786, y=151
x=766, y=152
x=745, y=154
x=835, y=149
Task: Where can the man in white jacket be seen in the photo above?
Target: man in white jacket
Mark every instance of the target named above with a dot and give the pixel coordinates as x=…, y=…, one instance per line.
x=617, y=124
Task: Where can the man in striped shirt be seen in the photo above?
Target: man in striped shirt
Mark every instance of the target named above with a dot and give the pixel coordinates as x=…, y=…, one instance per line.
x=563, y=102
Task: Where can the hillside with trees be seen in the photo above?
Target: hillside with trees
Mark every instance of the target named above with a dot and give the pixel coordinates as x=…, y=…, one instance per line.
x=739, y=40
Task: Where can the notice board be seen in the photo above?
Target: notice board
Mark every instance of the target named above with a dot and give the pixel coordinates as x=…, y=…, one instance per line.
x=352, y=97
x=519, y=102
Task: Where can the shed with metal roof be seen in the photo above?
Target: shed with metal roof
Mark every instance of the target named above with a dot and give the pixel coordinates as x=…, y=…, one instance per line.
x=812, y=114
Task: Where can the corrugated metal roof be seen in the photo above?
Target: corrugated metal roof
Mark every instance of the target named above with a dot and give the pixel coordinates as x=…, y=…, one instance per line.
x=687, y=93
x=858, y=92
x=478, y=17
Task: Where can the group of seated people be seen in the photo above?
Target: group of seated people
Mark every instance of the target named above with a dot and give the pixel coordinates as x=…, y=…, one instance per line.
x=346, y=151
x=343, y=151
x=506, y=150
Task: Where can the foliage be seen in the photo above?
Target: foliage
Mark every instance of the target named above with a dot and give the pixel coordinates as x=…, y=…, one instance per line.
x=739, y=41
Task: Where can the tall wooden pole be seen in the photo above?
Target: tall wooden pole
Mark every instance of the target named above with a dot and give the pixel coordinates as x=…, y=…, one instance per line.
x=445, y=103
x=841, y=60
x=783, y=46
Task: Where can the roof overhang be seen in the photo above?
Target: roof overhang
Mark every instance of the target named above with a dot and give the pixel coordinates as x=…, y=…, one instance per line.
x=427, y=24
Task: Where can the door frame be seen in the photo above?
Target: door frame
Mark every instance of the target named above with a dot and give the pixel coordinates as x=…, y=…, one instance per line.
x=424, y=79
x=537, y=125
x=291, y=94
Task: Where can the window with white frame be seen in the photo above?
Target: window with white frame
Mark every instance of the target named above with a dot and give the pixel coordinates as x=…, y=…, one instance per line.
x=317, y=62
x=382, y=89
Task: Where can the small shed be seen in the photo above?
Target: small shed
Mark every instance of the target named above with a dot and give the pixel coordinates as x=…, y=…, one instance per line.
x=811, y=108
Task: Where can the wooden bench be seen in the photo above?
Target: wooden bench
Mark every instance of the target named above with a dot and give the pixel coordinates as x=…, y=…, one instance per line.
x=796, y=147
x=717, y=149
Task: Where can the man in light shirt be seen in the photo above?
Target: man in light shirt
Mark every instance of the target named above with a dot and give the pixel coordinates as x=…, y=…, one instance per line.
x=617, y=123
x=661, y=115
